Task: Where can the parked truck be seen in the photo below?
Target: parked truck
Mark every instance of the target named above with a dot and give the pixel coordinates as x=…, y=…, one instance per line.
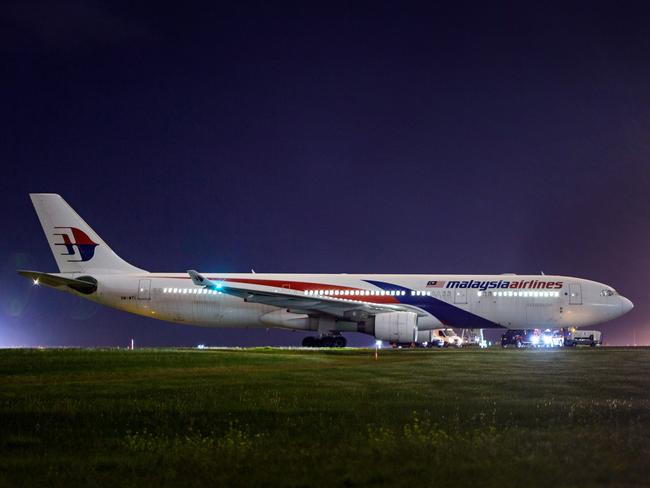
x=576, y=337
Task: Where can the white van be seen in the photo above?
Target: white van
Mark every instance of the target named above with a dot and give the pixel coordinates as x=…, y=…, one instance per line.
x=448, y=337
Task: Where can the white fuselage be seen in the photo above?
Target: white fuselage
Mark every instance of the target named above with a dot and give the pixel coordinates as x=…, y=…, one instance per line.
x=463, y=301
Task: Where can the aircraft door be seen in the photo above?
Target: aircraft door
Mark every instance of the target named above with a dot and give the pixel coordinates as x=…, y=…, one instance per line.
x=144, y=290
x=460, y=295
x=575, y=294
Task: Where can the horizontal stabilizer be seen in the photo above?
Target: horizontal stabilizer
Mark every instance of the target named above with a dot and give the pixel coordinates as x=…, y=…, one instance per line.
x=84, y=284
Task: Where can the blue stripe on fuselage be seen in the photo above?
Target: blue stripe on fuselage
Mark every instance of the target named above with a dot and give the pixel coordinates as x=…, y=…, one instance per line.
x=447, y=313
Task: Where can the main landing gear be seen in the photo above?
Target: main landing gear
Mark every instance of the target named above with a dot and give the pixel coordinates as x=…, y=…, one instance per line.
x=324, y=341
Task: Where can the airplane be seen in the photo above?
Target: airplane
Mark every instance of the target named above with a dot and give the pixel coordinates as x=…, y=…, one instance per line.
x=397, y=308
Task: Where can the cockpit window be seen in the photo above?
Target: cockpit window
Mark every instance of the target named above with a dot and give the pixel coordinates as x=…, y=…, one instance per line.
x=607, y=293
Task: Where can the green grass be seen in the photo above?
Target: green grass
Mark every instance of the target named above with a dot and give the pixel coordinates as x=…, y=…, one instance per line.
x=312, y=418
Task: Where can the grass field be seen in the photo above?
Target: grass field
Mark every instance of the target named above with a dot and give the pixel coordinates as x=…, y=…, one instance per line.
x=325, y=418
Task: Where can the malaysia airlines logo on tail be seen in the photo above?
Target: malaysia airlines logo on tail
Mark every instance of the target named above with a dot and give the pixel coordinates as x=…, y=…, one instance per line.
x=79, y=239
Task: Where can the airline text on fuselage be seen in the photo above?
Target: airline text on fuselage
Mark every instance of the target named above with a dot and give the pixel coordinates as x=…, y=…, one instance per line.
x=500, y=284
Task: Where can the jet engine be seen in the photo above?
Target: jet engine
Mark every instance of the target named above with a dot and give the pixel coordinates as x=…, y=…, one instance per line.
x=396, y=326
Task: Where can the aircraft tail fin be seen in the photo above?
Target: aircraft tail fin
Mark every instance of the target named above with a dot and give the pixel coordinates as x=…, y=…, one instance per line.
x=76, y=246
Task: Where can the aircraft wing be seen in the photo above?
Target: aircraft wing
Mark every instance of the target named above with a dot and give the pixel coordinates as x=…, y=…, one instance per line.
x=296, y=301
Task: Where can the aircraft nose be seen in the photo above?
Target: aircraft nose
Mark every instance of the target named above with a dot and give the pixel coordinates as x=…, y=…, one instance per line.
x=626, y=305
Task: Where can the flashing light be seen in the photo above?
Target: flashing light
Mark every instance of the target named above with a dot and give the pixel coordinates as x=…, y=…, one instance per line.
x=218, y=285
x=36, y=282
x=547, y=340
x=378, y=344
x=534, y=340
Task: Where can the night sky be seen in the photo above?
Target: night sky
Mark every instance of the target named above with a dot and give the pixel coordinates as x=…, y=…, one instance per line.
x=354, y=137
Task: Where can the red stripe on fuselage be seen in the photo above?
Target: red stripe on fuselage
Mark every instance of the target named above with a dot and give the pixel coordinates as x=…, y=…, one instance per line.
x=304, y=286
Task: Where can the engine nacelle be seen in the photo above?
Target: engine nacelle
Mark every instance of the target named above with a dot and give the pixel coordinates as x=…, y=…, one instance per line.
x=396, y=326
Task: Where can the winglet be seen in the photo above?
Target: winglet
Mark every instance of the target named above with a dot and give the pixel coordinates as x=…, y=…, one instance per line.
x=199, y=280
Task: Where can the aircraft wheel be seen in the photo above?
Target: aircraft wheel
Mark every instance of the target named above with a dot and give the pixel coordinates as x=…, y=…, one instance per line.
x=327, y=342
x=309, y=342
x=340, y=341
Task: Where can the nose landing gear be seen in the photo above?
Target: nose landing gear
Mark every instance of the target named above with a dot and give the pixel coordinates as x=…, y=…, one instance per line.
x=325, y=341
